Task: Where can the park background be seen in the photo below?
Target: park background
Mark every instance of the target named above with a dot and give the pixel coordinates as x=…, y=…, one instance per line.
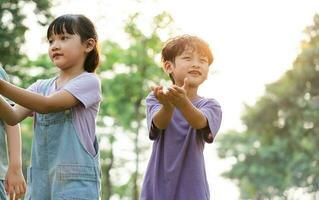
x=265, y=76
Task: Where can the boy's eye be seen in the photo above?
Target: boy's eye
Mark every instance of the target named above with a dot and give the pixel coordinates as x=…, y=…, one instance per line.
x=50, y=41
x=187, y=57
x=203, y=60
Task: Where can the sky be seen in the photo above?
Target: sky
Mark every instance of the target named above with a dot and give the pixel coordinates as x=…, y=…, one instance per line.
x=253, y=41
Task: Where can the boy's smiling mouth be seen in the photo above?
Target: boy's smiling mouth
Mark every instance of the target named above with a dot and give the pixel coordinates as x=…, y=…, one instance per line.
x=195, y=72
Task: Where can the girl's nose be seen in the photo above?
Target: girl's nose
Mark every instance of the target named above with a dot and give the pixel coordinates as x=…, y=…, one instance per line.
x=54, y=45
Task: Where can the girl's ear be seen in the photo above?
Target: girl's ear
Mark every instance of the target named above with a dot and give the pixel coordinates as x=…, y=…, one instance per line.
x=89, y=45
x=168, y=67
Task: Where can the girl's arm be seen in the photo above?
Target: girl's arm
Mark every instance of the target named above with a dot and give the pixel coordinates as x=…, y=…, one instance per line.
x=56, y=102
x=15, y=182
x=12, y=115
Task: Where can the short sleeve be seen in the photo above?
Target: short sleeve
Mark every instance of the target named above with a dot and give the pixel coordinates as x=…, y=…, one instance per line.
x=213, y=113
x=86, y=88
x=34, y=86
x=152, y=106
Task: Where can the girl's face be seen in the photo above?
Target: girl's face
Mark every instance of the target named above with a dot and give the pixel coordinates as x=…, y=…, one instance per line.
x=190, y=64
x=67, y=51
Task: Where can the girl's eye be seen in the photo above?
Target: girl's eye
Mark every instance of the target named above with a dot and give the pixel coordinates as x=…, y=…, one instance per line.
x=50, y=41
x=64, y=37
x=187, y=57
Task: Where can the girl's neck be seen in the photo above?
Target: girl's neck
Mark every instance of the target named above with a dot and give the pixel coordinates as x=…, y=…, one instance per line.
x=66, y=75
x=70, y=73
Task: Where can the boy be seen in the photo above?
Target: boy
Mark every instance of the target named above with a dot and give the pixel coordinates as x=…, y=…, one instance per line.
x=180, y=122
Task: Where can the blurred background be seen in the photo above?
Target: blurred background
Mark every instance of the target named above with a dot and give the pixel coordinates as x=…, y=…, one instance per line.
x=265, y=76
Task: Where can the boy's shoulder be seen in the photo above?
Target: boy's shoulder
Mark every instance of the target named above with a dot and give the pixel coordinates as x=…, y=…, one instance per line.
x=205, y=100
x=151, y=98
x=150, y=95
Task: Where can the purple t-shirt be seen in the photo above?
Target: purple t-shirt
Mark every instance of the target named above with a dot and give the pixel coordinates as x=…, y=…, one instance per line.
x=176, y=170
x=87, y=89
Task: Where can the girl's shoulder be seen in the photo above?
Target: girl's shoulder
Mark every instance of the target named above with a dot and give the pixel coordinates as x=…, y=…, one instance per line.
x=41, y=84
x=87, y=78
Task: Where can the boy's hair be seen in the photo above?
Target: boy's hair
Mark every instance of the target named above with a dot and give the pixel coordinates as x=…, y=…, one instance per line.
x=82, y=26
x=177, y=45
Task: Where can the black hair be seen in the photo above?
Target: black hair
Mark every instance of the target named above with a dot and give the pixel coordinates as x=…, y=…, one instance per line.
x=82, y=26
x=177, y=45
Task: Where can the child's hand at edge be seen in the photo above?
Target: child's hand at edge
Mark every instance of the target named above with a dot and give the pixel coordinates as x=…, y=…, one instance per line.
x=15, y=185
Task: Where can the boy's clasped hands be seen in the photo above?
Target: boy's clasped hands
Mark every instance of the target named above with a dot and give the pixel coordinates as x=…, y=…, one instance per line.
x=173, y=96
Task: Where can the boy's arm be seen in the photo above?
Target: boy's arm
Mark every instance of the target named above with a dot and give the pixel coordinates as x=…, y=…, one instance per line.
x=193, y=115
x=15, y=182
x=163, y=116
x=178, y=97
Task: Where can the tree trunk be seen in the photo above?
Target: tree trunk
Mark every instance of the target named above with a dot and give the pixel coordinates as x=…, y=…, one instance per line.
x=137, y=154
x=107, y=177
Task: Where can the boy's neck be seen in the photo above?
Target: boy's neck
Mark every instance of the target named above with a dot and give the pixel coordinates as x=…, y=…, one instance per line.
x=192, y=93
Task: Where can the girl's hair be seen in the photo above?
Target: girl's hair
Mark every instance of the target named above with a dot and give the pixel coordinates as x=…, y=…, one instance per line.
x=177, y=45
x=82, y=26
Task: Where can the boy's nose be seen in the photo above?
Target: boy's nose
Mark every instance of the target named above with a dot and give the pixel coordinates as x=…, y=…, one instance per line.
x=196, y=64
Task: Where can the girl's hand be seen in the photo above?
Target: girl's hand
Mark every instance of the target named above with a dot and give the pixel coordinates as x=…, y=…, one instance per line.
x=15, y=184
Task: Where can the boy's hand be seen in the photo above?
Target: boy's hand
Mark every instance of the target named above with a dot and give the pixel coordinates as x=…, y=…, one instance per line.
x=178, y=95
x=161, y=95
x=15, y=184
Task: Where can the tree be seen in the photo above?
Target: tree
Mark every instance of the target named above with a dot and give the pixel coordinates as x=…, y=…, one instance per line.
x=276, y=152
x=12, y=28
x=127, y=76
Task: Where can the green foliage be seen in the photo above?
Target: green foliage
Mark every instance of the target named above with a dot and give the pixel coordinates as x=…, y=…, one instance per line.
x=132, y=72
x=12, y=28
x=276, y=152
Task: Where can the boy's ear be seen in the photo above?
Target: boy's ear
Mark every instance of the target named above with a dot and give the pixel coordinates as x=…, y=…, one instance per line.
x=168, y=67
x=89, y=45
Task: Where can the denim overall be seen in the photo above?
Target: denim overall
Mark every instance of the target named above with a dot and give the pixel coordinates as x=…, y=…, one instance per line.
x=3, y=160
x=61, y=168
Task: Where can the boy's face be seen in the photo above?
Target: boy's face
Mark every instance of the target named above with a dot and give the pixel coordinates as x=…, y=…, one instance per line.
x=190, y=64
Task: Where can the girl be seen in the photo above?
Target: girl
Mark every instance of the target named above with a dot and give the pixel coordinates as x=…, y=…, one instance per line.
x=11, y=177
x=65, y=154
x=179, y=122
